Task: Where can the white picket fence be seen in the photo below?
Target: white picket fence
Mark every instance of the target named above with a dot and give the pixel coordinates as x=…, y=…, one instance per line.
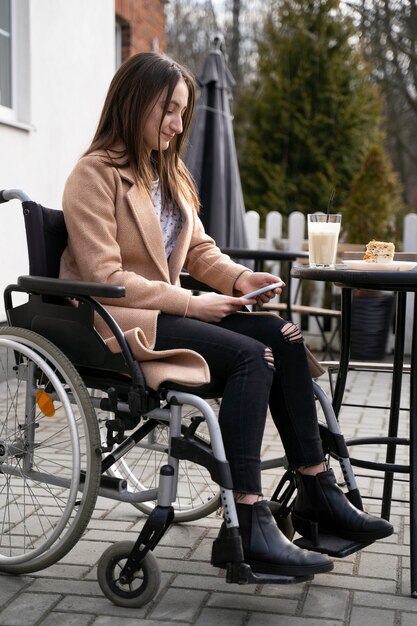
x=294, y=238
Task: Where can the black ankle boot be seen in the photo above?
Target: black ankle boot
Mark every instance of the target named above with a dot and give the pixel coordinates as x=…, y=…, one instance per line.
x=322, y=507
x=282, y=518
x=265, y=548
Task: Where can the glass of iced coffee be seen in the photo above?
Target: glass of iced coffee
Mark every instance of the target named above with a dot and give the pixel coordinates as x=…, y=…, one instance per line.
x=323, y=236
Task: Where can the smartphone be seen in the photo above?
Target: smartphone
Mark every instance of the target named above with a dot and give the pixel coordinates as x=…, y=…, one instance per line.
x=258, y=292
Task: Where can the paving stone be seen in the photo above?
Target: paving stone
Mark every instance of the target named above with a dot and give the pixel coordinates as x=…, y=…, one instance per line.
x=67, y=619
x=258, y=619
x=386, y=601
x=356, y=582
x=107, y=620
x=405, y=581
x=203, y=551
x=386, y=547
x=182, y=606
x=344, y=567
x=188, y=567
x=105, y=524
x=293, y=590
x=211, y=583
x=248, y=602
x=326, y=602
x=97, y=606
x=110, y=536
x=122, y=511
x=408, y=619
x=183, y=535
x=378, y=565
x=10, y=586
x=86, y=552
x=172, y=552
x=213, y=521
x=59, y=570
x=219, y=617
x=27, y=609
x=371, y=617
x=73, y=587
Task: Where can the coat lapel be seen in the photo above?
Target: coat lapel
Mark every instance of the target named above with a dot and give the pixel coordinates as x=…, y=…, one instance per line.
x=146, y=219
x=179, y=253
x=150, y=229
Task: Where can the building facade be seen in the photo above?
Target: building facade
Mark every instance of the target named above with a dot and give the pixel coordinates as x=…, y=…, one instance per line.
x=56, y=62
x=140, y=26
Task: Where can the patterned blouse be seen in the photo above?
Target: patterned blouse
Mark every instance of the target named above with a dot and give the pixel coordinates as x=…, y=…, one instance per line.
x=170, y=217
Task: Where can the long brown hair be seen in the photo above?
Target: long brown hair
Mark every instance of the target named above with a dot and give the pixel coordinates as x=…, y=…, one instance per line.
x=133, y=92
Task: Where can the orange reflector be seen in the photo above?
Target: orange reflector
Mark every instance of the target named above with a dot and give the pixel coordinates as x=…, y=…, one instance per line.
x=45, y=403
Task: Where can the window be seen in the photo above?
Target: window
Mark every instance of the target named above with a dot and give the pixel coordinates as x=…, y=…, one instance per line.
x=123, y=36
x=5, y=54
x=14, y=63
x=118, y=42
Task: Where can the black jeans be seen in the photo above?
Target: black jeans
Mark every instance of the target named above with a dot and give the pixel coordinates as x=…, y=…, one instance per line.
x=235, y=352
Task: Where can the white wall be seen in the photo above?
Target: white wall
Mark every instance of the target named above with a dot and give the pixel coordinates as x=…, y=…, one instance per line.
x=71, y=64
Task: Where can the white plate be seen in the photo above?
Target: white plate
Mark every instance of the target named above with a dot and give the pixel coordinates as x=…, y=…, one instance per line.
x=395, y=266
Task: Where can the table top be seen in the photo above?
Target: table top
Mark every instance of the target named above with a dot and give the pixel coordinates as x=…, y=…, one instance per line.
x=265, y=255
x=358, y=279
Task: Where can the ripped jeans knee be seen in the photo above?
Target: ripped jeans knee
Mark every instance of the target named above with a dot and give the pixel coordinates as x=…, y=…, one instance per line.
x=291, y=333
x=269, y=358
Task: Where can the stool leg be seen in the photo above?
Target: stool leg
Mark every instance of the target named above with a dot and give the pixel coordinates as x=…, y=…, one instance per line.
x=343, y=368
x=395, y=400
x=413, y=457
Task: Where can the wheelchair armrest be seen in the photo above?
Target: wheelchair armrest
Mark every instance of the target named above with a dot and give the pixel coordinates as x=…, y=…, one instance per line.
x=69, y=288
x=40, y=286
x=188, y=282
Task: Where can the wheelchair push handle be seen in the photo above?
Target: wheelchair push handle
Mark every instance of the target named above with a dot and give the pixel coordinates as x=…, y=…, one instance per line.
x=13, y=194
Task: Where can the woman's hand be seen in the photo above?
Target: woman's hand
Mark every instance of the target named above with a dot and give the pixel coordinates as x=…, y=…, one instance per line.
x=250, y=281
x=213, y=307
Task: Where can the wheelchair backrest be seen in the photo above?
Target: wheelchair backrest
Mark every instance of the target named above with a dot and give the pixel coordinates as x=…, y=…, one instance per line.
x=46, y=237
x=51, y=316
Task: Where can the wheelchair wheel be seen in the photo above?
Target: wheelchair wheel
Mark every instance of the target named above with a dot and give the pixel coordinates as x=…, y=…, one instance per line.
x=144, y=585
x=197, y=496
x=49, y=453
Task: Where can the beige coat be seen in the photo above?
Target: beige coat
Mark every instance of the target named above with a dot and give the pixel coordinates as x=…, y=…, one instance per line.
x=115, y=237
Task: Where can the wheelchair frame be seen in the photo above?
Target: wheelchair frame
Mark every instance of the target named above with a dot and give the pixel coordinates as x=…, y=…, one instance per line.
x=55, y=373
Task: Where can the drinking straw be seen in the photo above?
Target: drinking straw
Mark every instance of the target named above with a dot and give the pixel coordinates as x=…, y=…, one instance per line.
x=330, y=202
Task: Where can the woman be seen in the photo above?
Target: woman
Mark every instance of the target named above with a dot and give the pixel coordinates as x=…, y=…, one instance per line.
x=131, y=210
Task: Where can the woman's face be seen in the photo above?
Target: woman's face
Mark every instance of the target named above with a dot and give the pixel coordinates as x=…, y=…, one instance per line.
x=156, y=137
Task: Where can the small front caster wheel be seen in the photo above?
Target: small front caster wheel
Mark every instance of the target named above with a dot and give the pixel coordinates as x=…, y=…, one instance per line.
x=144, y=586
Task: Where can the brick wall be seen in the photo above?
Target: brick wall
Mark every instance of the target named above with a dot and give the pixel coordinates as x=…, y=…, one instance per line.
x=143, y=25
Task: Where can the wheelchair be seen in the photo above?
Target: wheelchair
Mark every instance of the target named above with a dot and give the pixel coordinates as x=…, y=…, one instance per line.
x=78, y=421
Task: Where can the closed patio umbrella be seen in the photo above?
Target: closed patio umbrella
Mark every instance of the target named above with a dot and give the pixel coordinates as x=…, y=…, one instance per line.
x=211, y=155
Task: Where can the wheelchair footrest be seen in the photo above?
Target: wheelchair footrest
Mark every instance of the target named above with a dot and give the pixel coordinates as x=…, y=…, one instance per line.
x=242, y=574
x=331, y=545
x=227, y=553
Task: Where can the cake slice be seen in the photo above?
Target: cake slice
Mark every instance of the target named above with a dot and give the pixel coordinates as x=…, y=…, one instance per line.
x=379, y=252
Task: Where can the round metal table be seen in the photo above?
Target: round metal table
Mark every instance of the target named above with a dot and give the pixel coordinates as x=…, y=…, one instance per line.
x=401, y=283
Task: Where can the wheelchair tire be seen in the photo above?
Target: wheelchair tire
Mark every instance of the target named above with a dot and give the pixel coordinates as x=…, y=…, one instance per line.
x=144, y=586
x=50, y=453
x=197, y=497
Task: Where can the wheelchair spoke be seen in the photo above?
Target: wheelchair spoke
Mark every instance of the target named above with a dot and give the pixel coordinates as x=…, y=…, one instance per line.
x=197, y=495
x=48, y=435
